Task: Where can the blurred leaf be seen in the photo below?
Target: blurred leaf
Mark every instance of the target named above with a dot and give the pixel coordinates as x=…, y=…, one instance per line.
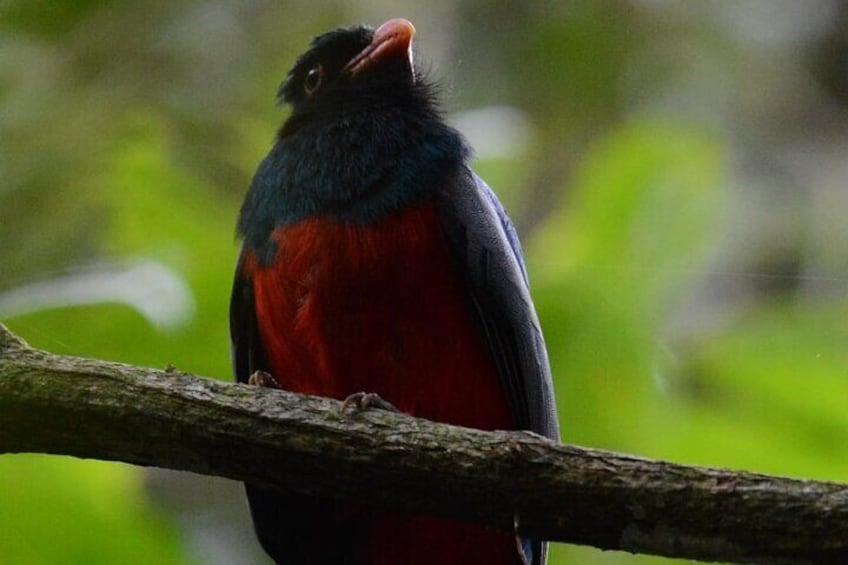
x=63, y=510
x=607, y=268
x=780, y=375
x=156, y=210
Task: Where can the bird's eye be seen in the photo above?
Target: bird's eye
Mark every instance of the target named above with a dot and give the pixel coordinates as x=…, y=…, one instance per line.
x=313, y=79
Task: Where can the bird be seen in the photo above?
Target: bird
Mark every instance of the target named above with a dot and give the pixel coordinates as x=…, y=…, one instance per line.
x=374, y=259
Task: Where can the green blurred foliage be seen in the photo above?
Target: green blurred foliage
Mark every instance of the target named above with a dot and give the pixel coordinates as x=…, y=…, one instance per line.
x=607, y=267
x=131, y=131
x=62, y=510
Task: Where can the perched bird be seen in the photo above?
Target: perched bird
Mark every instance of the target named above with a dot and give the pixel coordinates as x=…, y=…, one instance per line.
x=374, y=259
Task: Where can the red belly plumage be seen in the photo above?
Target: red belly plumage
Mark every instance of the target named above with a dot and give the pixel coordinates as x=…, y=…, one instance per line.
x=377, y=307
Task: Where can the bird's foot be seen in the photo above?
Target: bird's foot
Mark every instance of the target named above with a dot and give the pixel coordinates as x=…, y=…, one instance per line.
x=263, y=379
x=366, y=400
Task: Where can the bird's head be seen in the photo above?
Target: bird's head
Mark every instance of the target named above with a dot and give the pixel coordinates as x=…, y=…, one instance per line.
x=349, y=70
x=364, y=137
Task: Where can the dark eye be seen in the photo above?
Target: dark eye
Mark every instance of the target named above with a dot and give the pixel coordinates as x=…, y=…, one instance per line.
x=313, y=79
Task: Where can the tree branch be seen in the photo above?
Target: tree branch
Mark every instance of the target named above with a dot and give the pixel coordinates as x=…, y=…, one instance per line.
x=88, y=408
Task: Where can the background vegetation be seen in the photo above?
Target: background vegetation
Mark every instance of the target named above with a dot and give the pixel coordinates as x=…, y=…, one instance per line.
x=677, y=170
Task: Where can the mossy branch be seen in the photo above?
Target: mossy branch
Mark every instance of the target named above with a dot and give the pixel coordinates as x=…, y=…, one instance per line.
x=89, y=408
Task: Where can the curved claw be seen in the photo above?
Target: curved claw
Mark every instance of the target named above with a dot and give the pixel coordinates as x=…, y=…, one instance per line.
x=367, y=400
x=263, y=379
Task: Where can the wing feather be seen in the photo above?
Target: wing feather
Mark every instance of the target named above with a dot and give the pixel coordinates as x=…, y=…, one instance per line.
x=485, y=249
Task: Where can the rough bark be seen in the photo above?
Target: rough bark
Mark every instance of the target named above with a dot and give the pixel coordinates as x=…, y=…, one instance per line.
x=88, y=408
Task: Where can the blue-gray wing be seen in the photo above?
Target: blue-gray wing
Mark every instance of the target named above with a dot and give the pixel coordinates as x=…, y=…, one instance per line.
x=486, y=251
x=487, y=254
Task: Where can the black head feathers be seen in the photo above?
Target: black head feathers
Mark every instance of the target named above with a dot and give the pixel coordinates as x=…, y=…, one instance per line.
x=363, y=138
x=352, y=69
x=332, y=51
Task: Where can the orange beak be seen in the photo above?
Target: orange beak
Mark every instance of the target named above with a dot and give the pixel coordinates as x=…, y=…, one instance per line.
x=392, y=39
